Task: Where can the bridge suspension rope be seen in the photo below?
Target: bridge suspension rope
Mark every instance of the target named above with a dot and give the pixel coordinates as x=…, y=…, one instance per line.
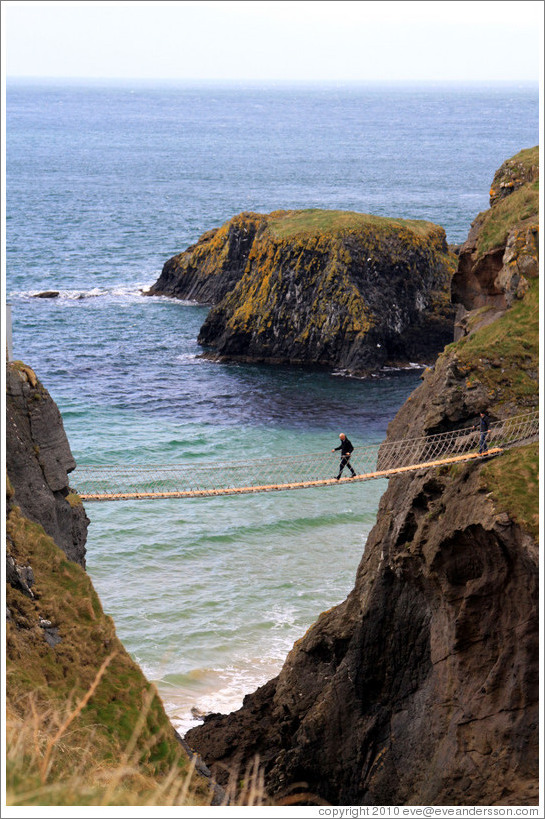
x=382, y=460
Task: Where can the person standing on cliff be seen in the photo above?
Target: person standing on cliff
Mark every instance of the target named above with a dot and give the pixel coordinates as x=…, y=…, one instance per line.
x=346, y=450
x=484, y=429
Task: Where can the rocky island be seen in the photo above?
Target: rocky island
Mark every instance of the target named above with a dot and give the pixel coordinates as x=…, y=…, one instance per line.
x=328, y=288
x=422, y=687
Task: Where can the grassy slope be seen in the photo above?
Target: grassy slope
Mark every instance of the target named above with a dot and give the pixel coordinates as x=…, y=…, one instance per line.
x=497, y=222
x=504, y=356
x=517, y=206
x=45, y=684
x=513, y=480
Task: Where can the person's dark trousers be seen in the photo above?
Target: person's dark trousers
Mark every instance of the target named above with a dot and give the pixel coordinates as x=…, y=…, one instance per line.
x=345, y=461
x=483, y=446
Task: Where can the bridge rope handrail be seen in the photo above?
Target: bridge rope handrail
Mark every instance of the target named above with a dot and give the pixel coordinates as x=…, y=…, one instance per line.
x=513, y=422
x=112, y=481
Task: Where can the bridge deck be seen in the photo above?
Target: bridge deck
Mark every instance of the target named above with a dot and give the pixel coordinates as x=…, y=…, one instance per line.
x=244, y=490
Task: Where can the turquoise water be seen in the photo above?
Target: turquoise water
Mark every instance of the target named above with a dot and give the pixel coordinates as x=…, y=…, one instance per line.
x=104, y=184
x=210, y=595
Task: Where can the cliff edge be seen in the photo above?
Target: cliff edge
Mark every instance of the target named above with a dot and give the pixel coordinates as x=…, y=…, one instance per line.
x=422, y=687
x=62, y=650
x=328, y=288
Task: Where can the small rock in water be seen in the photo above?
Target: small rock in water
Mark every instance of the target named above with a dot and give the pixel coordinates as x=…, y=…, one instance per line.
x=47, y=294
x=196, y=713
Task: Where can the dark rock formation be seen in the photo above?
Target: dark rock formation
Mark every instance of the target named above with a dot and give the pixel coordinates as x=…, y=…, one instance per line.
x=422, y=687
x=38, y=460
x=208, y=270
x=326, y=288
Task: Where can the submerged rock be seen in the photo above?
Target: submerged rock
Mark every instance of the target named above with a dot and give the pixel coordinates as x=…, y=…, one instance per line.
x=46, y=294
x=328, y=288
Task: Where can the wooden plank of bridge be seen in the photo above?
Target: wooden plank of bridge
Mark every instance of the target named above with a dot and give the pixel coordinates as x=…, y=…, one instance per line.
x=245, y=490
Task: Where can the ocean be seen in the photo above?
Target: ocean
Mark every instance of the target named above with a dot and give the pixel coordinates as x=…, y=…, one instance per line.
x=104, y=183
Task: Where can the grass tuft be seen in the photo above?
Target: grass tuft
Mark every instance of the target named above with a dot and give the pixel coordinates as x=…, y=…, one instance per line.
x=513, y=480
x=504, y=355
x=497, y=222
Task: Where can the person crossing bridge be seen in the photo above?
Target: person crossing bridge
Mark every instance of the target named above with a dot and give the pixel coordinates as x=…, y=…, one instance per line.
x=346, y=450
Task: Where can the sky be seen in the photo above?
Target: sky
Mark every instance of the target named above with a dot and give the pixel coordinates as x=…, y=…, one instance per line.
x=275, y=40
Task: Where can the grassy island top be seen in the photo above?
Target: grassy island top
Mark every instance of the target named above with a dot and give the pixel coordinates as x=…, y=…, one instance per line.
x=288, y=224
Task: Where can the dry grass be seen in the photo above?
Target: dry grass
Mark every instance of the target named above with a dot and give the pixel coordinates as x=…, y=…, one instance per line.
x=83, y=725
x=52, y=743
x=49, y=762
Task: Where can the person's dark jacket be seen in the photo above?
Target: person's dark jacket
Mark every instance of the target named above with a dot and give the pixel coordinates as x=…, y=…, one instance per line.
x=484, y=424
x=345, y=447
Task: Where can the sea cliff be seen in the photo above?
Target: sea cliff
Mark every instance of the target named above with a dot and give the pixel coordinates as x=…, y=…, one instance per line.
x=83, y=724
x=422, y=687
x=328, y=288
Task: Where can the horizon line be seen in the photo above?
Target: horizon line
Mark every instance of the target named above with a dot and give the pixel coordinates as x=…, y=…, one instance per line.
x=263, y=80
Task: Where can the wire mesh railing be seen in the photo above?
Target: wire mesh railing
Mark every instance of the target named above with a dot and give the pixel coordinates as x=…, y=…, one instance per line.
x=118, y=481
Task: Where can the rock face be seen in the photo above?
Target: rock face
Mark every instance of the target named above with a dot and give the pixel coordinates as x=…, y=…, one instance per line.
x=501, y=251
x=422, y=687
x=326, y=288
x=38, y=460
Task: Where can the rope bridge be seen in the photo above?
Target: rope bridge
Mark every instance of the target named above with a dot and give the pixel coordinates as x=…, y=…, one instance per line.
x=205, y=479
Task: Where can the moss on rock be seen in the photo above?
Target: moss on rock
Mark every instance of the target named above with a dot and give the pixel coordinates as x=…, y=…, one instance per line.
x=332, y=288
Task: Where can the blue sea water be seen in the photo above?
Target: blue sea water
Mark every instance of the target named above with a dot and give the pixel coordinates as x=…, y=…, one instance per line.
x=104, y=182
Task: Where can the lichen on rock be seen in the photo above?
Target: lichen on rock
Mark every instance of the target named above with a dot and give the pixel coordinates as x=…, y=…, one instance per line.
x=328, y=288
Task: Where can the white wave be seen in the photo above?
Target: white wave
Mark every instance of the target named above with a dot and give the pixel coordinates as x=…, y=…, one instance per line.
x=190, y=358
x=412, y=365
x=214, y=691
x=60, y=294
x=133, y=290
